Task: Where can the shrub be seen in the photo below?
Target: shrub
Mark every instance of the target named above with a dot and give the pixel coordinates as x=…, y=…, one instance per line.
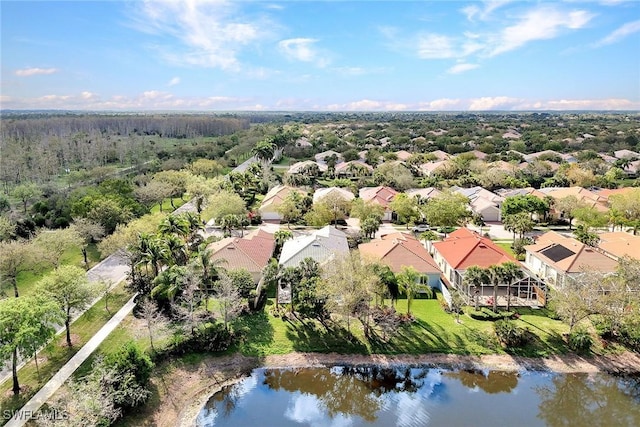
x=131, y=388
x=580, y=340
x=510, y=334
x=210, y=337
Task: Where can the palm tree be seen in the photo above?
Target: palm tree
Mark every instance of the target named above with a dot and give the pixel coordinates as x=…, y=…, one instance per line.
x=264, y=151
x=168, y=284
x=408, y=282
x=511, y=273
x=156, y=254
x=496, y=276
x=174, y=224
x=210, y=270
x=178, y=254
x=477, y=277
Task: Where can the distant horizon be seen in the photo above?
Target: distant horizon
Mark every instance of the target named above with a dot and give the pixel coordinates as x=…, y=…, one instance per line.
x=320, y=56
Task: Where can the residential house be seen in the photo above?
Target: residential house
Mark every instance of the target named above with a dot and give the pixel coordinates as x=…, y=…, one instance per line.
x=440, y=155
x=555, y=257
x=626, y=154
x=465, y=248
x=354, y=168
x=321, y=193
x=381, y=195
x=429, y=168
x=273, y=199
x=423, y=193
x=483, y=202
x=251, y=252
x=588, y=197
x=619, y=244
x=398, y=250
x=321, y=245
x=569, y=158
x=403, y=155
x=320, y=157
x=303, y=167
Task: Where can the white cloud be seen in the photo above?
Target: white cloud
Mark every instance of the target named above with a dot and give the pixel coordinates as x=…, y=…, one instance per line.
x=587, y=104
x=440, y=105
x=174, y=81
x=210, y=33
x=620, y=33
x=473, y=11
x=27, y=72
x=304, y=50
x=492, y=103
x=461, y=68
x=540, y=23
x=435, y=46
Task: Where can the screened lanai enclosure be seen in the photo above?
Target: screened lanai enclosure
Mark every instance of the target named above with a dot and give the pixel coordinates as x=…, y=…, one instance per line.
x=528, y=291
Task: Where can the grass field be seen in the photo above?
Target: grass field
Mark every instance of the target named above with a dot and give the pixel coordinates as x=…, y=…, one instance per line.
x=434, y=331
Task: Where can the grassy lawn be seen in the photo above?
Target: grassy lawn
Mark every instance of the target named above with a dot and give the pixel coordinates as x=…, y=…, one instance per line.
x=166, y=205
x=434, y=331
x=56, y=354
x=73, y=256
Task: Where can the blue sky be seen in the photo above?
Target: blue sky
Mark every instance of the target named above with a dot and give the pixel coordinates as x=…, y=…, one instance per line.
x=320, y=55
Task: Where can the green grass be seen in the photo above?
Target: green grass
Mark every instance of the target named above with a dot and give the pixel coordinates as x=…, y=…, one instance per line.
x=166, y=205
x=27, y=280
x=434, y=331
x=56, y=354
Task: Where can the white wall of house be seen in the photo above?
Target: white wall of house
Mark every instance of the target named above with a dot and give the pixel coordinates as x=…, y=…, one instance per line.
x=269, y=214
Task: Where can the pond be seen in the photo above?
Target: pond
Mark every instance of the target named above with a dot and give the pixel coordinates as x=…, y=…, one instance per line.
x=422, y=396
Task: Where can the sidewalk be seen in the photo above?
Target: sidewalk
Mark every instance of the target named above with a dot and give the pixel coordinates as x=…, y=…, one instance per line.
x=33, y=405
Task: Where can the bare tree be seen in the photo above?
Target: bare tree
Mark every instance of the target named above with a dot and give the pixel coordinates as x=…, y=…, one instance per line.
x=229, y=301
x=154, y=321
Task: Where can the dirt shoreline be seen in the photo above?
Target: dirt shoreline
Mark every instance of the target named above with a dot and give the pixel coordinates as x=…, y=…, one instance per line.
x=185, y=389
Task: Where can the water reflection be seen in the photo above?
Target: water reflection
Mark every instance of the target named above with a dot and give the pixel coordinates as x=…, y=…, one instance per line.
x=490, y=382
x=412, y=397
x=584, y=400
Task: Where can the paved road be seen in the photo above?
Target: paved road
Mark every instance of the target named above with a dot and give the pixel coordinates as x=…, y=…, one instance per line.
x=112, y=269
x=33, y=405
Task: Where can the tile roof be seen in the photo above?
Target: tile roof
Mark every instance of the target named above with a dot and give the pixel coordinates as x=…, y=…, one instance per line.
x=251, y=252
x=398, y=250
x=321, y=193
x=320, y=245
x=569, y=255
x=299, y=167
x=277, y=194
x=464, y=248
x=620, y=244
x=381, y=195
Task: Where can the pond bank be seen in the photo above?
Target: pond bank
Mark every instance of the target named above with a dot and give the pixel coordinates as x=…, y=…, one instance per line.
x=185, y=389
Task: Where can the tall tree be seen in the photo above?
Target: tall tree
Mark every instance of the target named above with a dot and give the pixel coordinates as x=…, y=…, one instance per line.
x=405, y=207
x=26, y=324
x=89, y=232
x=27, y=192
x=228, y=299
x=447, y=210
x=476, y=276
x=568, y=206
x=18, y=256
x=496, y=277
x=54, y=243
x=69, y=287
x=511, y=273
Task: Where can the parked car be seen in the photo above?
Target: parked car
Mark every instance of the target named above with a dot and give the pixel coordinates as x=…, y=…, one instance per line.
x=421, y=228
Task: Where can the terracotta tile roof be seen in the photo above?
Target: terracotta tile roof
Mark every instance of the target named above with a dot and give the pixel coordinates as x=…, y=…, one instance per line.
x=569, y=255
x=464, y=248
x=398, y=250
x=251, y=252
x=403, y=155
x=620, y=244
x=381, y=195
